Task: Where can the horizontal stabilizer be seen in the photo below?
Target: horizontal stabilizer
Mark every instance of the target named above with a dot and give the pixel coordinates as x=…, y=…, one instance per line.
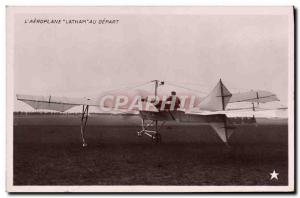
x=258, y=96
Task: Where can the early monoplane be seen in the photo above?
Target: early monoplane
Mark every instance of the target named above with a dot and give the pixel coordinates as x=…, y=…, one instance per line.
x=155, y=111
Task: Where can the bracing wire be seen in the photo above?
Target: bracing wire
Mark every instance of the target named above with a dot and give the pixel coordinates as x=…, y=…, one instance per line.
x=183, y=87
x=239, y=89
x=191, y=84
x=127, y=87
x=203, y=85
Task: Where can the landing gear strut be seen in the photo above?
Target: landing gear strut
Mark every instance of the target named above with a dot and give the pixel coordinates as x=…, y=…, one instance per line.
x=84, y=118
x=153, y=134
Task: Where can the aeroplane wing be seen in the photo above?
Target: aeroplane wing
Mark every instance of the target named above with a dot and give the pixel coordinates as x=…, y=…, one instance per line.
x=65, y=103
x=258, y=96
x=54, y=103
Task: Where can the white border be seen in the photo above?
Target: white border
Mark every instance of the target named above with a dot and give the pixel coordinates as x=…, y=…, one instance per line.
x=174, y=10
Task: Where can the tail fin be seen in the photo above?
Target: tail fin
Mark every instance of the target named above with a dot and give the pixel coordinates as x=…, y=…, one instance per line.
x=217, y=99
x=223, y=131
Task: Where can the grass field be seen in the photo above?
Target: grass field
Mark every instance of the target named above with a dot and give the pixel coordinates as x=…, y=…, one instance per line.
x=47, y=151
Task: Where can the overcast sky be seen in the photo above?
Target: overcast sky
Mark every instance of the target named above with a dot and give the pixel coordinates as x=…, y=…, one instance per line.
x=246, y=51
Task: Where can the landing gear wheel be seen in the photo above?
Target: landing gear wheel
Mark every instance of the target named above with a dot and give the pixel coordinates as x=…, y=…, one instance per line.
x=156, y=138
x=139, y=134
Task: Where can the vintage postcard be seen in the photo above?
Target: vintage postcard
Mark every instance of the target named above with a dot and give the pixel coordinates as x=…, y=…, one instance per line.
x=150, y=99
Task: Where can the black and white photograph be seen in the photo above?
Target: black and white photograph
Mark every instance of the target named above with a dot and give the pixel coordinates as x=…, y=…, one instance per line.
x=150, y=99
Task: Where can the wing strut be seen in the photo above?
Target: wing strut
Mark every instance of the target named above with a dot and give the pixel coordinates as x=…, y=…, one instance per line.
x=84, y=118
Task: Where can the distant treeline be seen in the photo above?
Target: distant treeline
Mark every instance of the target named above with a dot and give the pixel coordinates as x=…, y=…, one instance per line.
x=61, y=113
x=43, y=113
x=240, y=120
